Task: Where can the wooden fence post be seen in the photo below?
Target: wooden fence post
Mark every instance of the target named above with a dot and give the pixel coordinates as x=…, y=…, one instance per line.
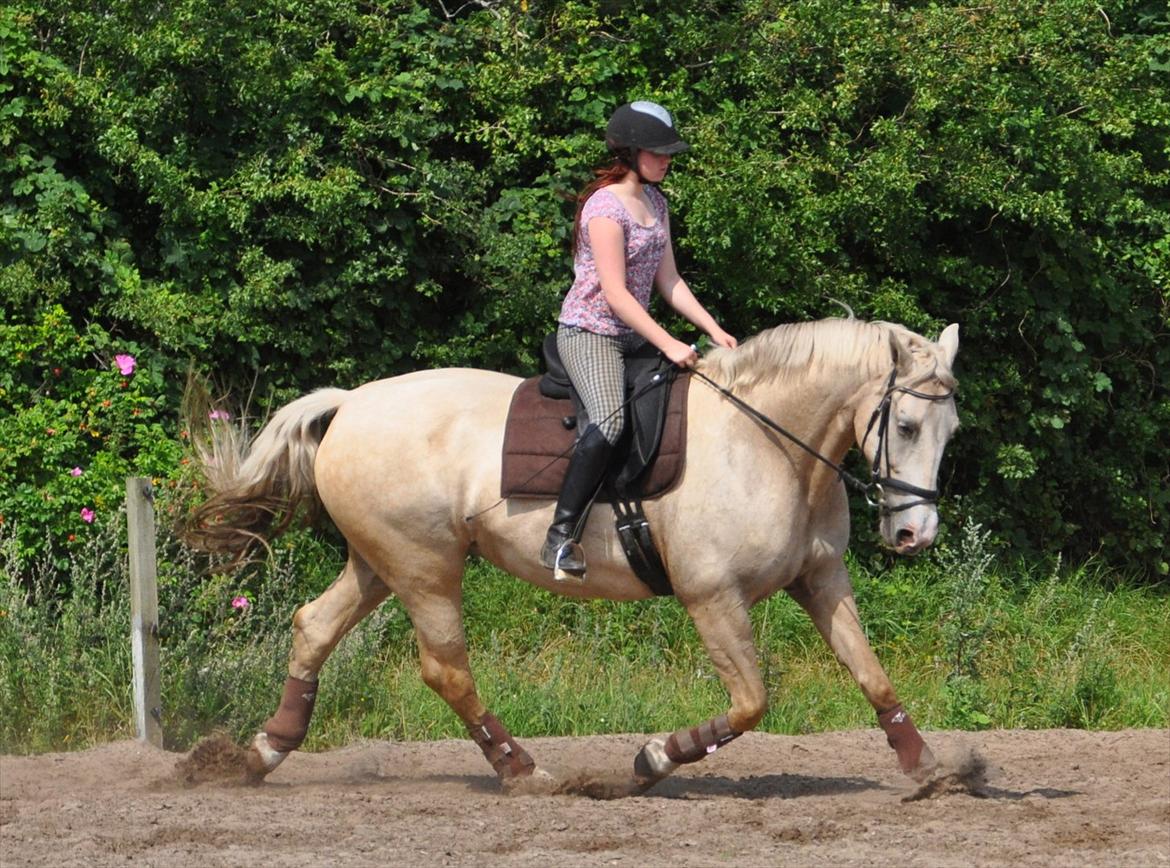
x=144, y=610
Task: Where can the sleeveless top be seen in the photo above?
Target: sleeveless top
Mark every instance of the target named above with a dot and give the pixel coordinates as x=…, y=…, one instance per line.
x=585, y=306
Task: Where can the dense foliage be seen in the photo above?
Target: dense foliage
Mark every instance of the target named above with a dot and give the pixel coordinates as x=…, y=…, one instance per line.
x=293, y=193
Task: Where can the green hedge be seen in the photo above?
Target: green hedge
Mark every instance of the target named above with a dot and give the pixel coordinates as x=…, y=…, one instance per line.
x=293, y=194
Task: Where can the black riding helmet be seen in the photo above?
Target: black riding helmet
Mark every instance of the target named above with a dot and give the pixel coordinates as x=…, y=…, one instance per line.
x=642, y=126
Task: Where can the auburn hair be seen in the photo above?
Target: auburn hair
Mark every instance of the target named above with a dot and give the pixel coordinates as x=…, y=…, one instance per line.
x=602, y=177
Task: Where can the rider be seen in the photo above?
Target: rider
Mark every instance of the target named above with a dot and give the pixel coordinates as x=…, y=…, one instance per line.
x=621, y=251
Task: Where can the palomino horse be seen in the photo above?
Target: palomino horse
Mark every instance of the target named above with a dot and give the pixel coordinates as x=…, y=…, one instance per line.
x=408, y=469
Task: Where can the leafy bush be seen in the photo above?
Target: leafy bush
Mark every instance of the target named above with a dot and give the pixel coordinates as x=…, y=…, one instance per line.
x=300, y=194
x=84, y=412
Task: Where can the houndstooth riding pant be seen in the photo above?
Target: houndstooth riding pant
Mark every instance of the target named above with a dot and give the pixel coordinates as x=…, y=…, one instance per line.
x=596, y=364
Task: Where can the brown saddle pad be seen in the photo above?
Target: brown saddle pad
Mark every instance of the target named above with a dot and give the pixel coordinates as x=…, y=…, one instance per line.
x=535, y=437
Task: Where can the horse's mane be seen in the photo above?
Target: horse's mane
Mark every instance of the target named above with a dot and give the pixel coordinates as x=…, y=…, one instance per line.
x=798, y=349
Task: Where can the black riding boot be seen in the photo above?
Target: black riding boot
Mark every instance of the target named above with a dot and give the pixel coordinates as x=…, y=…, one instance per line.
x=583, y=478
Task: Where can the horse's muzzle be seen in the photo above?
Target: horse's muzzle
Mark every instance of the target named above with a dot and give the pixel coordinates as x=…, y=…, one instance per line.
x=911, y=538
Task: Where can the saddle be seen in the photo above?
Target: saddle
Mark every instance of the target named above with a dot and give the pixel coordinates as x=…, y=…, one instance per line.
x=545, y=416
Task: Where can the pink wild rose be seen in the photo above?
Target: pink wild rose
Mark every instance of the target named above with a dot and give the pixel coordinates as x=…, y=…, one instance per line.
x=76, y=471
x=87, y=515
x=240, y=602
x=126, y=364
x=219, y=414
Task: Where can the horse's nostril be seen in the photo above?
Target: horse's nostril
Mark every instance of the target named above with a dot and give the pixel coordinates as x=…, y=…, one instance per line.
x=905, y=537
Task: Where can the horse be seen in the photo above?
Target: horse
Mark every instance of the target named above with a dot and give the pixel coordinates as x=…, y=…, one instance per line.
x=408, y=469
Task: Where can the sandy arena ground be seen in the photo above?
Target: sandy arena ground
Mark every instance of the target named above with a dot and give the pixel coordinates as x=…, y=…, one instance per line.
x=1053, y=798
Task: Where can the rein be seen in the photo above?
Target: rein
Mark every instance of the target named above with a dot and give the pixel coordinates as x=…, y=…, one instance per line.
x=874, y=491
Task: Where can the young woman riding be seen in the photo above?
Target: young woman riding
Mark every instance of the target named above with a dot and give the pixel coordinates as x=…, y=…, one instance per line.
x=621, y=252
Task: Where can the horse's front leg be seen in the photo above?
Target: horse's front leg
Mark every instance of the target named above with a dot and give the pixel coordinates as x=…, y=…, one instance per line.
x=726, y=630
x=828, y=599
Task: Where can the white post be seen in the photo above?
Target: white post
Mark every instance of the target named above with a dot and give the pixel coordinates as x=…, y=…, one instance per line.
x=144, y=610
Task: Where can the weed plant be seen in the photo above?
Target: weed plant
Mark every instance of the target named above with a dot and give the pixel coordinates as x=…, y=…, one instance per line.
x=969, y=640
x=966, y=625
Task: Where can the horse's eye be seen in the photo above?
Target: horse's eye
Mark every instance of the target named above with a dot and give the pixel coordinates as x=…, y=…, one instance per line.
x=907, y=430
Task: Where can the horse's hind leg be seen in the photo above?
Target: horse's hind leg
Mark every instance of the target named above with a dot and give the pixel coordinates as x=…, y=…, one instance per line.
x=438, y=622
x=317, y=628
x=726, y=631
x=829, y=602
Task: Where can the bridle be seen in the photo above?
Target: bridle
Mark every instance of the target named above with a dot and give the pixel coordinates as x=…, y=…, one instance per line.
x=875, y=490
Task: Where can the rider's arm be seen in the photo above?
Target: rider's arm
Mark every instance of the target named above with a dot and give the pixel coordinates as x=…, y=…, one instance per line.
x=609, y=256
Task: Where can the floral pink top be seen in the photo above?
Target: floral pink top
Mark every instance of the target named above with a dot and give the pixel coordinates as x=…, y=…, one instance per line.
x=585, y=305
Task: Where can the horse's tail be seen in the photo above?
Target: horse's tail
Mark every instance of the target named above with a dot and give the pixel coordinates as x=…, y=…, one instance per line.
x=257, y=490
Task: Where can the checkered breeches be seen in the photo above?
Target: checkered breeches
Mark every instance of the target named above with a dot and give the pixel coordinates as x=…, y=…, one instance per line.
x=596, y=364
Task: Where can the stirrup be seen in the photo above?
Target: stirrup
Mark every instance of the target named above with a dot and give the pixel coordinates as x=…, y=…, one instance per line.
x=569, y=550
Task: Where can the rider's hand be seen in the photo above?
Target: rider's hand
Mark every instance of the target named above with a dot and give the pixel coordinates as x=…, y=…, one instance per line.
x=723, y=339
x=681, y=354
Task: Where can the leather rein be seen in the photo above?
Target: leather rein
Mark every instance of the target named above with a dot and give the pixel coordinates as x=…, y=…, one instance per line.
x=875, y=490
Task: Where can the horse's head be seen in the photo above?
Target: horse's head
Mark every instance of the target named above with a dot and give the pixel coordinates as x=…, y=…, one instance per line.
x=903, y=427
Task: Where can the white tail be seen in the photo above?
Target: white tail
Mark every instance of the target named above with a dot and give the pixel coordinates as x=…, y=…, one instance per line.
x=257, y=489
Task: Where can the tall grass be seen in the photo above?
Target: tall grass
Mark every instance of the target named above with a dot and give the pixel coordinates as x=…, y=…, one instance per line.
x=968, y=641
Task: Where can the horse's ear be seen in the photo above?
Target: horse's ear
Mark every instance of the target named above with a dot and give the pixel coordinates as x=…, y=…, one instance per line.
x=900, y=352
x=948, y=341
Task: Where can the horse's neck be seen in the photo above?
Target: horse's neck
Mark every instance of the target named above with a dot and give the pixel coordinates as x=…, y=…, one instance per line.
x=818, y=410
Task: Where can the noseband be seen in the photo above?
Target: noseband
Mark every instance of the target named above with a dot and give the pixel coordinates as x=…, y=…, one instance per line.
x=874, y=491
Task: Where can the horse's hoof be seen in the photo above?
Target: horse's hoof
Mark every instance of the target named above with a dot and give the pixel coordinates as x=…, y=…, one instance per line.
x=262, y=758
x=652, y=764
x=927, y=766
